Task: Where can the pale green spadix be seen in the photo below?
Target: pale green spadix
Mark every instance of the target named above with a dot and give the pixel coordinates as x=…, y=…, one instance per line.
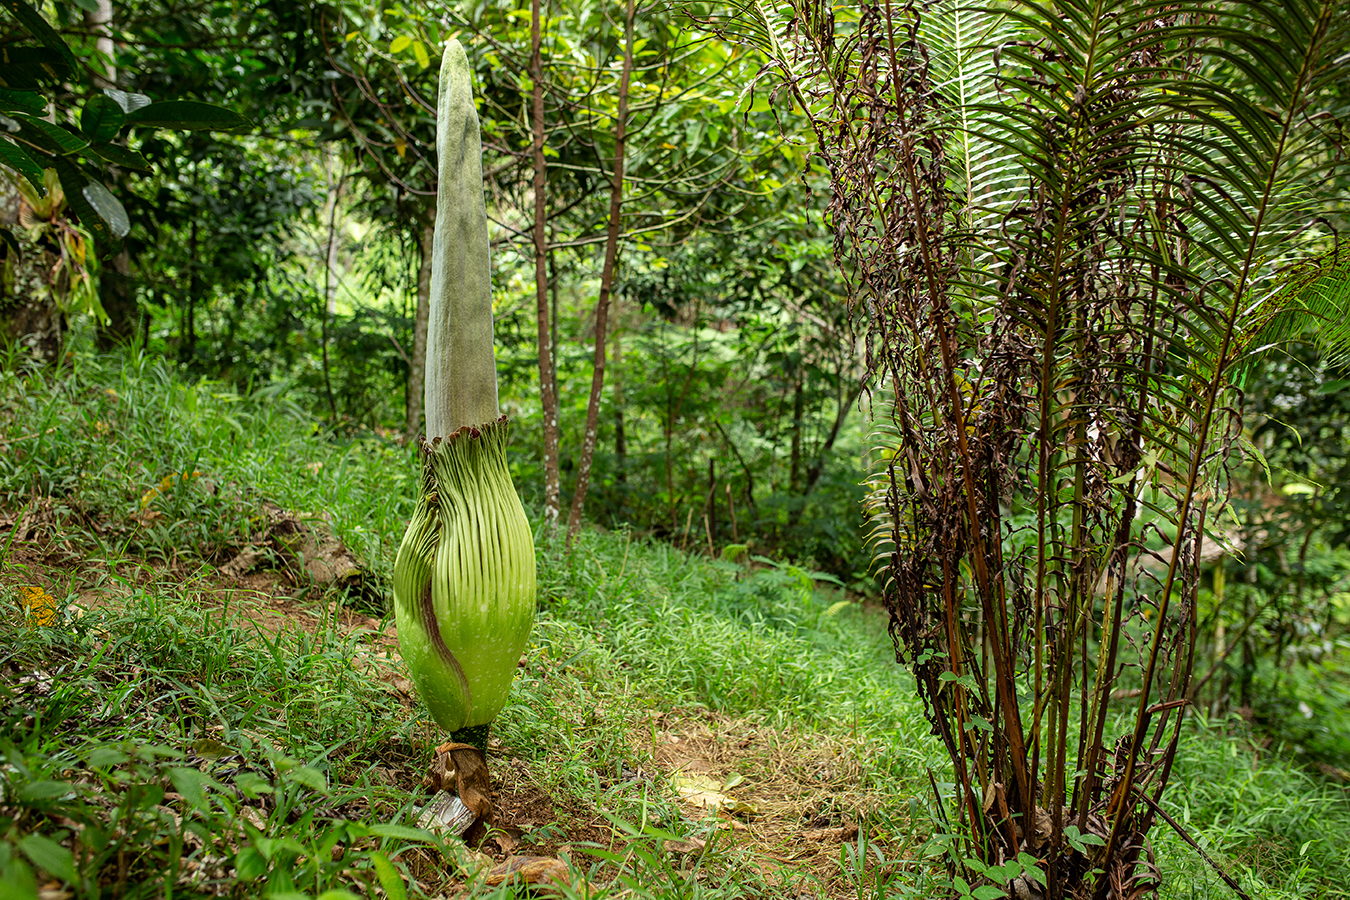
x=464, y=588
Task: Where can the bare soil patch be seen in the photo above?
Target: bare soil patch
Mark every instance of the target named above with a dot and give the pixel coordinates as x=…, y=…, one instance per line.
x=795, y=796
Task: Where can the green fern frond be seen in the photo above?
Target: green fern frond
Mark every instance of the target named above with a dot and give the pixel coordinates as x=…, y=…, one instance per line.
x=1315, y=304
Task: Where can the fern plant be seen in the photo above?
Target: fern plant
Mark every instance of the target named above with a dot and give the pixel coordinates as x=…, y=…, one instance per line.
x=1068, y=225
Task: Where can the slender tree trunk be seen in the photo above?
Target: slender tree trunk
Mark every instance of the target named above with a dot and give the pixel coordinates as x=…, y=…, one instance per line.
x=553, y=282
x=620, y=434
x=817, y=466
x=548, y=396
x=329, y=292
x=189, y=341
x=114, y=282
x=606, y=283
x=417, y=366
x=712, y=503
x=798, y=410
x=99, y=21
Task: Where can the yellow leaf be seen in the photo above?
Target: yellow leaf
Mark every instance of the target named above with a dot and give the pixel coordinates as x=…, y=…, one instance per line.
x=399, y=44
x=420, y=52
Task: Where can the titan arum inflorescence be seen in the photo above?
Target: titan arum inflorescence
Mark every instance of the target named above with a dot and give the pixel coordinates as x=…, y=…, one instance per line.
x=464, y=580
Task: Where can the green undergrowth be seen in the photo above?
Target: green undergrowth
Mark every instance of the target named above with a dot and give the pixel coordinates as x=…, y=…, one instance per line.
x=168, y=744
x=154, y=749
x=133, y=461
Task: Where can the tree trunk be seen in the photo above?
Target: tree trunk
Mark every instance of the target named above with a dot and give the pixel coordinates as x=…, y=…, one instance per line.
x=114, y=283
x=333, y=254
x=29, y=315
x=99, y=21
x=620, y=435
x=798, y=410
x=547, y=360
x=119, y=303
x=329, y=291
x=606, y=284
x=188, y=340
x=711, y=513
x=817, y=466
x=417, y=366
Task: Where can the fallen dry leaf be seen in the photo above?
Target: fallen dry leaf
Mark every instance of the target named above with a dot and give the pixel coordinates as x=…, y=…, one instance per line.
x=702, y=792
x=691, y=845
x=542, y=870
x=507, y=839
x=38, y=604
x=831, y=835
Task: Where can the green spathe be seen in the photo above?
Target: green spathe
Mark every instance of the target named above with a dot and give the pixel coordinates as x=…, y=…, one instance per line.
x=464, y=580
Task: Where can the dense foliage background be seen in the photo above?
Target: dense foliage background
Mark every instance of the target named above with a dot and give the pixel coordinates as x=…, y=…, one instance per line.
x=287, y=255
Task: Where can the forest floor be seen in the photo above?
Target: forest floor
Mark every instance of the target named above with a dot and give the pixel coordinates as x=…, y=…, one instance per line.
x=189, y=706
x=778, y=806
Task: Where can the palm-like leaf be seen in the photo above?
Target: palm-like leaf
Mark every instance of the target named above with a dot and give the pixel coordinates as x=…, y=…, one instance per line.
x=1067, y=222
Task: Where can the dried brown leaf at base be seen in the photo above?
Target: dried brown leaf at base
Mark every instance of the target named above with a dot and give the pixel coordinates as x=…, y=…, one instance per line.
x=462, y=768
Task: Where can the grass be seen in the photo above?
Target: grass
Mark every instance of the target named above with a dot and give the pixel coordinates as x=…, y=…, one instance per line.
x=173, y=734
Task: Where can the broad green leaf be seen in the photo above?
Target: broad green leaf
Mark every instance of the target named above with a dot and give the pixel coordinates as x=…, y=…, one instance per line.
x=49, y=856
x=1029, y=867
x=52, y=138
x=252, y=784
x=73, y=182
x=39, y=28
x=401, y=832
x=28, y=68
x=105, y=756
x=17, y=881
x=101, y=119
x=17, y=158
x=191, y=783
x=399, y=44
x=128, y=102
x=249, y=864
x=108, y=207
x=288, y=846
x=119, y=156
x=186, y=115
x=310, y=778
x=420, y=53
x=44, y=790
x=390, y=879
x=87, y=5
x=22, y=101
